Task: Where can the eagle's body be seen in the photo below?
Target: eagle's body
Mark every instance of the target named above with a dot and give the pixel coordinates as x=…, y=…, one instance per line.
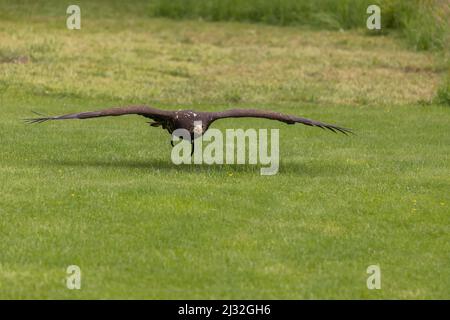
x=195, y=122
x=186, y=119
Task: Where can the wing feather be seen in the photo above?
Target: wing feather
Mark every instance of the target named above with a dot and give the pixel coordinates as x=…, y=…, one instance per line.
x=272, y=115
x=145, y=111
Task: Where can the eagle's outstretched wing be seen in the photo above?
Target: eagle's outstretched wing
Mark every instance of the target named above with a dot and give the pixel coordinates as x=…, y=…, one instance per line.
x=148, y=112
x=289, y=119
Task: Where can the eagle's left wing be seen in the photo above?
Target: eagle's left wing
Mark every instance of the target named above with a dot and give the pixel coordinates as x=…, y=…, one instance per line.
x=289, y=119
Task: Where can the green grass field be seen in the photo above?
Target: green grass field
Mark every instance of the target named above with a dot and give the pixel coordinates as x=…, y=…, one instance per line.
x=103, y=194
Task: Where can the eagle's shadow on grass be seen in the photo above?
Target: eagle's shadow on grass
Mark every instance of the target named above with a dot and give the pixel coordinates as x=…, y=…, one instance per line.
x=303, y=168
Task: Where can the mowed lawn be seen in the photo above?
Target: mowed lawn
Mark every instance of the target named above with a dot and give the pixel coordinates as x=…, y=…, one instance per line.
x=103, y=194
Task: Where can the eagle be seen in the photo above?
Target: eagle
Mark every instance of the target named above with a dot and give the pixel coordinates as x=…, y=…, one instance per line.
x=195, y=122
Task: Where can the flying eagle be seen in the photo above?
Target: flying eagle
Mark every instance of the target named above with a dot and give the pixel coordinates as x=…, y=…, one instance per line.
x=189, y=119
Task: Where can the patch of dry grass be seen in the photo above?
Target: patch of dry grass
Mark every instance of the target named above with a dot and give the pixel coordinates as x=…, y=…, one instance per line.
x=216, y=63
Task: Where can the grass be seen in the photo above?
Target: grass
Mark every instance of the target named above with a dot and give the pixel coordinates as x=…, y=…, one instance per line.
x=424, y=23
x=104, y=195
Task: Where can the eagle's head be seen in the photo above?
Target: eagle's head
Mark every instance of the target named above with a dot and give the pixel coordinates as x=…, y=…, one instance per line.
x=198, y=129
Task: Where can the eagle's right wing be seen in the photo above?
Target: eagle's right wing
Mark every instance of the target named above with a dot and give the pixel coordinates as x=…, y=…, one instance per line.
x=148, y=112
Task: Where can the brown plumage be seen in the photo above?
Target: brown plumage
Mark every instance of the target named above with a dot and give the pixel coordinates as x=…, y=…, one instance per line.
x=184, y=119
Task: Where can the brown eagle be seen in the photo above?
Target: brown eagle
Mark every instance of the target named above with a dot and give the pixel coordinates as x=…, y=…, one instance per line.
x=189, y=119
